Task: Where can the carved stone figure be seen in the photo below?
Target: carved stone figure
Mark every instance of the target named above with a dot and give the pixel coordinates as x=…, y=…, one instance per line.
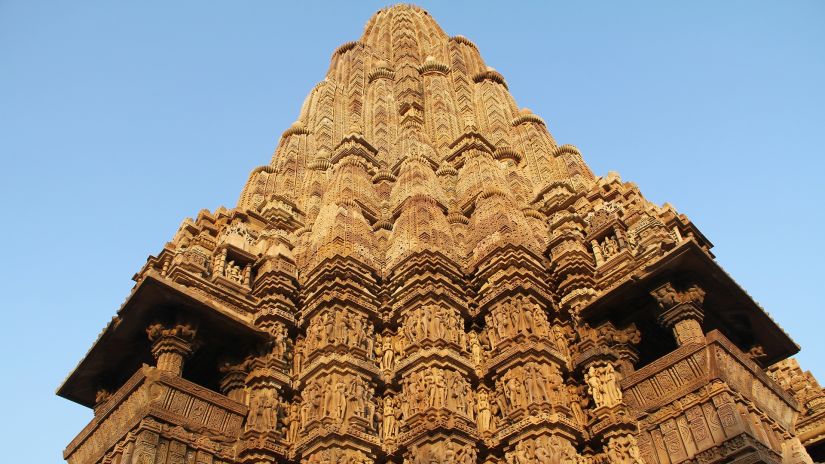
x=603, y=381
x=484, y=412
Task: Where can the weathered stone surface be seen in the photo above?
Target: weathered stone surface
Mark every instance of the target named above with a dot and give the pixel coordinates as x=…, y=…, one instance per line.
x=423, y=275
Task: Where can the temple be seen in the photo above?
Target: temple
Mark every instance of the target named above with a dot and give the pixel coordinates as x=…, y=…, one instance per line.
x=423, y=275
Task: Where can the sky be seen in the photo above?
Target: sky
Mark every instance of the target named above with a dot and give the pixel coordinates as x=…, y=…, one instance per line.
x=120, y=119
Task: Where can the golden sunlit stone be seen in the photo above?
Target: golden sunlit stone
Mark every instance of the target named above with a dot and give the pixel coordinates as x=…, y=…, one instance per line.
x=423, y=275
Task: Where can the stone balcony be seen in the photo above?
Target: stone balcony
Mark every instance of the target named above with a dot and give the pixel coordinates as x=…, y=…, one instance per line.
x=708, y=402
x=156, y=412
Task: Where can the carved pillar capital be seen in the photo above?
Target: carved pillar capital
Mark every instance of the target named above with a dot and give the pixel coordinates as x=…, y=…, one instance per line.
x=609, y=343
x=681, y=311
x=101, y=396
x=171, y=345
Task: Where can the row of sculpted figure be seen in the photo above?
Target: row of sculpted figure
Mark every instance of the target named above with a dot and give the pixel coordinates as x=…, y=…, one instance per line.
x=342, y=397
x=543, y=450
x=339, y=397
x=434, y=387
x=445, y=452
x=425, y=324
x=429, y=323
x=603, y=384
x=433, y=322
x=514, y=317
x=266, y=411
x=338, y=456
x=532, y=383
x=345, y=328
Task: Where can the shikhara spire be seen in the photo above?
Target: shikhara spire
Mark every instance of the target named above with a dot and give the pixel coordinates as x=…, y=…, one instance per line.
x=422, y=275
x=409, y=102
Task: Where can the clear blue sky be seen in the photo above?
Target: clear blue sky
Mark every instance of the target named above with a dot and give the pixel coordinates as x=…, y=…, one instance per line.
x=119, y=119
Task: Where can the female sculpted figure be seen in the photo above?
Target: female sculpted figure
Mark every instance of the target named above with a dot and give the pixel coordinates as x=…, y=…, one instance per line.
x=527, y=314
x=340, y=327
x=293, y=423
x=329, y=327
x=420, y=323
x=389, y=426
x=611, y=385
x=388, y=358
x=489, y=332
x=475, y=349
x=503, y=325
x=440, y=389
x=536, y=388
x=518, y=320
x=484, y=414
x=339, y=399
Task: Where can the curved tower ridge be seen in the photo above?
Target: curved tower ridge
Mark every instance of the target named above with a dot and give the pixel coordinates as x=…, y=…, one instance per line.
x=422, y=275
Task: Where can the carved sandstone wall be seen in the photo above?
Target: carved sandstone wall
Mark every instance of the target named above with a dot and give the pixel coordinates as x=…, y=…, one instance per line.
x=422, y=275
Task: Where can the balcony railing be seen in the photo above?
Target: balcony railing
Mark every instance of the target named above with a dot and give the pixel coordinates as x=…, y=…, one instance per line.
x=162, y=397
x=708, y=401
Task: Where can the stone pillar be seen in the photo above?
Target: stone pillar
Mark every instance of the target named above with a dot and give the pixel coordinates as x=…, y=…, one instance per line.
x=171, y=345
x=681, y=312
x=233, y=381
x=597, y=252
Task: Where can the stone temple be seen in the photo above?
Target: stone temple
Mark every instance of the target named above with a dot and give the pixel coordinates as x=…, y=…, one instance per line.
x=423, y=275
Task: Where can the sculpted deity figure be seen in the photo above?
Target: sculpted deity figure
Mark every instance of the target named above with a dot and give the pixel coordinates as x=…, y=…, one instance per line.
x=388, y=357
x=339, y=400
x=536, y=384
x=484, y=414
x=269, y=413
x=530, y=321
x=329, y=330
x=339, y=327
x=293, y=422
x=610, y=247
x=440, y=389
x=233, y=272
x=298, y=355
x=306, y=412
x=516, y=316
x=476, y=352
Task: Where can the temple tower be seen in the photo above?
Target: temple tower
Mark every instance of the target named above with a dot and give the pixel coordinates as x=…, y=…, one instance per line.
x=422, y=275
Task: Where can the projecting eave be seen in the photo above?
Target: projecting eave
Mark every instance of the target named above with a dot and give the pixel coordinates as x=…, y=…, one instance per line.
x=727, y=306
x=123, y=346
